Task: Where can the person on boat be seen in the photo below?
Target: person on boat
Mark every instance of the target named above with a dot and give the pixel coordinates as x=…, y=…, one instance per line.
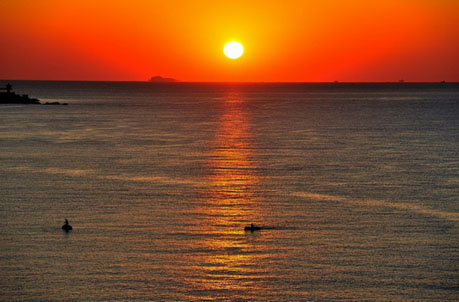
x=66, y=227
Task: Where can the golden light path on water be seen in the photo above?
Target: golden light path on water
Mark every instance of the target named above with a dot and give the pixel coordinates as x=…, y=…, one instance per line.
x=232, y=201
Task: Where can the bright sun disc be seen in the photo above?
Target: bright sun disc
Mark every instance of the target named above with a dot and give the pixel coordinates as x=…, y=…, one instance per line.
x=233, y=50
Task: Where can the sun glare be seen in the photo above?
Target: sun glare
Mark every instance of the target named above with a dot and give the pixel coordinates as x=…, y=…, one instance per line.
x=233, y=50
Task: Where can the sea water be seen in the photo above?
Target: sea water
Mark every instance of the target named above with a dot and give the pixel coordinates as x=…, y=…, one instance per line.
x=357, y=184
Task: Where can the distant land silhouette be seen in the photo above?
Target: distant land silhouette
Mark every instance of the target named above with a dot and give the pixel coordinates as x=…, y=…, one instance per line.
x=160, y=79
x=10, y=97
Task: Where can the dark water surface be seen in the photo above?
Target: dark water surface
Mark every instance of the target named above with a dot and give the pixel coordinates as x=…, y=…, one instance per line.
x=360, y=183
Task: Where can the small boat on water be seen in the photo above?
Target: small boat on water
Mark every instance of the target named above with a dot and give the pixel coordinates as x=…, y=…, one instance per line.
x=252, y=228
x=67, y=227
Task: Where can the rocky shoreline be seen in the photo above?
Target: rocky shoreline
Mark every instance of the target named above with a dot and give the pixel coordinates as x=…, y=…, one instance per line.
x=10, y=97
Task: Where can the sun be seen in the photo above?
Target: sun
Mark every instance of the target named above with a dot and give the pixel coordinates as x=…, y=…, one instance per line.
x=233, y=50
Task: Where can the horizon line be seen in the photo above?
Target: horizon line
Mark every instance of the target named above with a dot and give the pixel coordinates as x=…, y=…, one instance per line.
x=402, y=81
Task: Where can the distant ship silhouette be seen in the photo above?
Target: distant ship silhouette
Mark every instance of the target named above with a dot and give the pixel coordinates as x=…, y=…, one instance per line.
x=160, y=79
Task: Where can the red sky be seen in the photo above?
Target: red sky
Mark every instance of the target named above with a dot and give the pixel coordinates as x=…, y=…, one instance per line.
x=327, y=40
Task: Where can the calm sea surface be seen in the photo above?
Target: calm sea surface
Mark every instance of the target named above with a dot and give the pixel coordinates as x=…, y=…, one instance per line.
x=357, y=183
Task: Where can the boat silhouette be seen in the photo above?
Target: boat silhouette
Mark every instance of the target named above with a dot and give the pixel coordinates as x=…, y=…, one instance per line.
x=67, y=227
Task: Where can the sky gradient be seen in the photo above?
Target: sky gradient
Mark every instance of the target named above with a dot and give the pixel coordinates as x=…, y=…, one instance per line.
x=299, y=41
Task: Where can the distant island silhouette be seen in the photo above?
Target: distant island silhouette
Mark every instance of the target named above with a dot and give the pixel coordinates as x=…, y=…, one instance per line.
x=160, y=79
x=10, y=97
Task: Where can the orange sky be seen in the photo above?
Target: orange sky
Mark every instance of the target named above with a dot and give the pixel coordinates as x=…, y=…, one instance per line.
x=308, y=40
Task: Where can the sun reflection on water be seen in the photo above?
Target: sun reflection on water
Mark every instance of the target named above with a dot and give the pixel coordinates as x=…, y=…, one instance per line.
x=232, y=200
